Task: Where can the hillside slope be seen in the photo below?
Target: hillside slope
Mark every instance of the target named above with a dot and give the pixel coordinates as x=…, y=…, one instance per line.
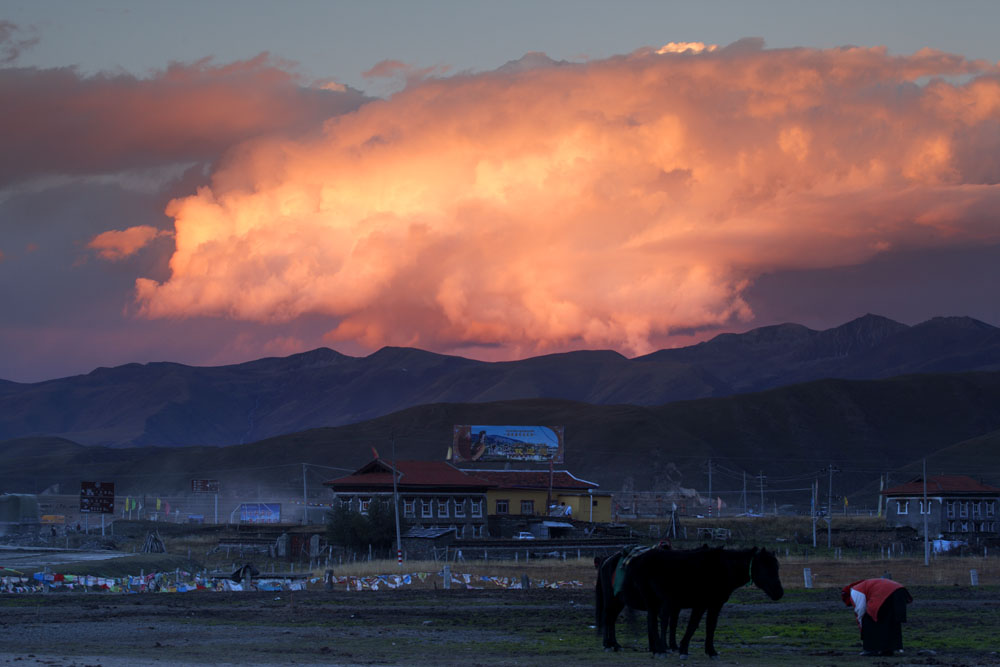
x=789, y=434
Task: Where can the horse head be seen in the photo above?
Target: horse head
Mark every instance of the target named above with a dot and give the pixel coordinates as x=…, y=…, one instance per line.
x=764, y=573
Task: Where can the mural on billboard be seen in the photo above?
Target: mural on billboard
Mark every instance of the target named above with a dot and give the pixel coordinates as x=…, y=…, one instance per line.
x=534, y=444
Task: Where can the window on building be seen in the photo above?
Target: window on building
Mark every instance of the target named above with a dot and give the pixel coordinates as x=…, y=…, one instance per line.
x=963, y=509
x=989, y=526
x=425, y=509
x=977, y=509
x=951, y=526
x=991, y=508
x=365, y=504
x=409, y=508
x=459, y=508
x=442, y=508
x=925, y=508
x=503, y=507
x=476, y=507
x=963, y=527
x=477, y=530
x=902, y=507
x=345, y=503
x=527, y=507
x=951, y=509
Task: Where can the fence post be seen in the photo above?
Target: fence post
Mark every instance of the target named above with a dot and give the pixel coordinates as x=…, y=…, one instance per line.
x=446, y=574
x=807, y=575
x=974, y=577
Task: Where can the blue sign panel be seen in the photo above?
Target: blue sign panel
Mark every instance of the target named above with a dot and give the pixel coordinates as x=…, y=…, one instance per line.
x=260, y=513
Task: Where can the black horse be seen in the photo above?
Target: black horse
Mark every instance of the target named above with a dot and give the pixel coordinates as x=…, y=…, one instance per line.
x=609, y=602
x=661, y=583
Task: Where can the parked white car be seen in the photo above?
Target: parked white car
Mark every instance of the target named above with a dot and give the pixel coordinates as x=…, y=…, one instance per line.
x=524, y=536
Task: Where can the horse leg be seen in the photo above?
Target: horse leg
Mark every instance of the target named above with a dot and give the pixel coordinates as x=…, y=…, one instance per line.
x=612, y=608
x=665, y=613
x=711, y=619
x=696, y=613
x=656, y=646
x=675, y=613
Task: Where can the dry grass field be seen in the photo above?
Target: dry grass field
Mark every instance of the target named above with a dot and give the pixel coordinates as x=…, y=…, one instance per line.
x=951, y=622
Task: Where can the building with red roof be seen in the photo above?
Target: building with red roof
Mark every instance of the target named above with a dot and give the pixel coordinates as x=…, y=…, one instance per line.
x=432, y=494
x=957, y=506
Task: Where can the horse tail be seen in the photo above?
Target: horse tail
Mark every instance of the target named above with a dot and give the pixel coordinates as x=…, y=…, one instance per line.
x=600, y=562
x=599, y=605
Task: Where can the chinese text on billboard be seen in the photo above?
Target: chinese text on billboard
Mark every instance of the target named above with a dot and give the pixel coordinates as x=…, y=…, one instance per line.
x=97, y=497
x=535, y=444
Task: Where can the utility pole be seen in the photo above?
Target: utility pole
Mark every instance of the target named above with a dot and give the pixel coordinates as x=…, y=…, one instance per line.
x=926, y=511
x=829, y=509
x=395, y=503
x=710, y=497
x=815, y=492
x=761, y=477
x=305, y=498
x=744, y=492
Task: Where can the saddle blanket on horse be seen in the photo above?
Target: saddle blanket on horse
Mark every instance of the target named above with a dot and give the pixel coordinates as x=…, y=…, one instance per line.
x=628, y=553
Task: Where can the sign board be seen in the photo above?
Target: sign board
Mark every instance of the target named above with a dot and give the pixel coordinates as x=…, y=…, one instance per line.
x=260, y=513
x=53, y=519
x=97, y=497
x=205, y=485
x=533, y=444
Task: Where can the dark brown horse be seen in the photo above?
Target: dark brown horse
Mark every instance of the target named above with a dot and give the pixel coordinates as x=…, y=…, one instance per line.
x=662, y=582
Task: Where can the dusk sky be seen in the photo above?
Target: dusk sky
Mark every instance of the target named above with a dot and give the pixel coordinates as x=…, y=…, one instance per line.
x=210, y=183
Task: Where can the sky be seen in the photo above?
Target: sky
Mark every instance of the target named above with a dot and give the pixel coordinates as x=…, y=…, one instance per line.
x=214, y=182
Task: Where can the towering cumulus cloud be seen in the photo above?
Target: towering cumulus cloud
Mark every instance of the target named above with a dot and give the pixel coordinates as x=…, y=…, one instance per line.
x=604, y=204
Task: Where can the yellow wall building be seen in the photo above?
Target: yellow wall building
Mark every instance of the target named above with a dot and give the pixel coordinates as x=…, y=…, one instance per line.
x=541, y=493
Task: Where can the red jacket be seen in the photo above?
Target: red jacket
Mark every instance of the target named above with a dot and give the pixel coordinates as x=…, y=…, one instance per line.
x=875, y=591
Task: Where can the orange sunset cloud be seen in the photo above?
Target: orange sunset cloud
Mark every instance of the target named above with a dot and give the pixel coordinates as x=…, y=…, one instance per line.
x=604, y=204
x=115, y=245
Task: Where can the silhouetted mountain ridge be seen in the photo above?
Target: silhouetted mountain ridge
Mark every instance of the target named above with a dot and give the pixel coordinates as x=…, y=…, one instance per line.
x=170, y=404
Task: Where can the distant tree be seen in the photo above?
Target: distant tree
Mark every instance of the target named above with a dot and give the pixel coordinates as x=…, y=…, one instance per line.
x=381, y=524
x=354, y=531
x=345, y=528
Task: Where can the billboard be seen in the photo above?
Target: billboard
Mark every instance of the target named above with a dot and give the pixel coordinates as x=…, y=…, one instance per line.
x=97, y=497
x=205, y=485
x=260, y=513
x=532, y=444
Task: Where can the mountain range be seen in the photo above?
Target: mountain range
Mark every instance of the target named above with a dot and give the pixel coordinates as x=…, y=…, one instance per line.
x=789, y=434
x=173, y=405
